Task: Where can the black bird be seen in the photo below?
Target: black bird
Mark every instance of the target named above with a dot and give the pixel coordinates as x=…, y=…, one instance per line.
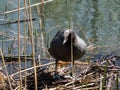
x=60, y=46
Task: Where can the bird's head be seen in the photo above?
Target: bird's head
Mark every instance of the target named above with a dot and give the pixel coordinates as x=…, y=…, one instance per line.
x=67, y=35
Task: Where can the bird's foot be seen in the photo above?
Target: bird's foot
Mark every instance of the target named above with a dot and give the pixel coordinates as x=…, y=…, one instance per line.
x=70, y=77
x=56, y=76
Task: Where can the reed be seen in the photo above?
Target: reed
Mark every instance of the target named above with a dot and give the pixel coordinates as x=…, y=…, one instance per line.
x=19, y=49
x=51, y=63
x=11, y=46
x=70, y=26
x=26, y=14
x=6, y=69
x=117, y=81
x=32, y=44
x=2, y=43
x=42, y=27
x=29, y=6
x=105, y=77
x=68, y=14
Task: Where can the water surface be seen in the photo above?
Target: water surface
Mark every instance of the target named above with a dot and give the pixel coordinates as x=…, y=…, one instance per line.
x=99, y=20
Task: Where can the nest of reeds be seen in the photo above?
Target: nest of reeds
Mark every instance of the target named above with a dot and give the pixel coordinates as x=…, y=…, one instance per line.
x=102, y=74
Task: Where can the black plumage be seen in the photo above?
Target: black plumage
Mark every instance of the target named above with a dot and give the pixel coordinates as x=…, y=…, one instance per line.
x=60, y=46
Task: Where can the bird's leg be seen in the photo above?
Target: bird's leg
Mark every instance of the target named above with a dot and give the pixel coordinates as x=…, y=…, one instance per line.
x=72, y=73
x=56, y=65
x=56, y=73
x=72, y=68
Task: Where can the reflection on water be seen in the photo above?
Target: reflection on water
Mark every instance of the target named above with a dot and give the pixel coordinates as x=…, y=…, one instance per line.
x=99, y=19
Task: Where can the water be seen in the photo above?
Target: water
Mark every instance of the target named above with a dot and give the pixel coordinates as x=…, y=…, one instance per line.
x=99, y=20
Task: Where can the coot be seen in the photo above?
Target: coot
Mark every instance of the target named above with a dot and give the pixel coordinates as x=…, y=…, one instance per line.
x=60, y=46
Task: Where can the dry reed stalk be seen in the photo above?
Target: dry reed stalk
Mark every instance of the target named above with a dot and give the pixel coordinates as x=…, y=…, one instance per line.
x=70, y=26
x=110, y=82
x=2, y=44
x=19, y=52
x=42, y=34
x=107, y=46
x=83, y=86
x=4, y=34
x=41, y=39
x=42, y=26
x=72, y=62
x=11, y=39
x=91, y=46
x=36, y=4
x=21, y=21
x=49, y=30
x=26, y=14
x=90, y=88
x=32, y=68
x=11, y=46
x=21, y=36
x=5, y=69
x=32, y=44
x=84, y=33
x=2, y=81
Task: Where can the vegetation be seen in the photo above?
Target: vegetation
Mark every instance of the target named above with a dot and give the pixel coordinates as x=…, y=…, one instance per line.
x=33, y=69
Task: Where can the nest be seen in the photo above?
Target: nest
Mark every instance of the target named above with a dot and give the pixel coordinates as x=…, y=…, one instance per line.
x=103, y=74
